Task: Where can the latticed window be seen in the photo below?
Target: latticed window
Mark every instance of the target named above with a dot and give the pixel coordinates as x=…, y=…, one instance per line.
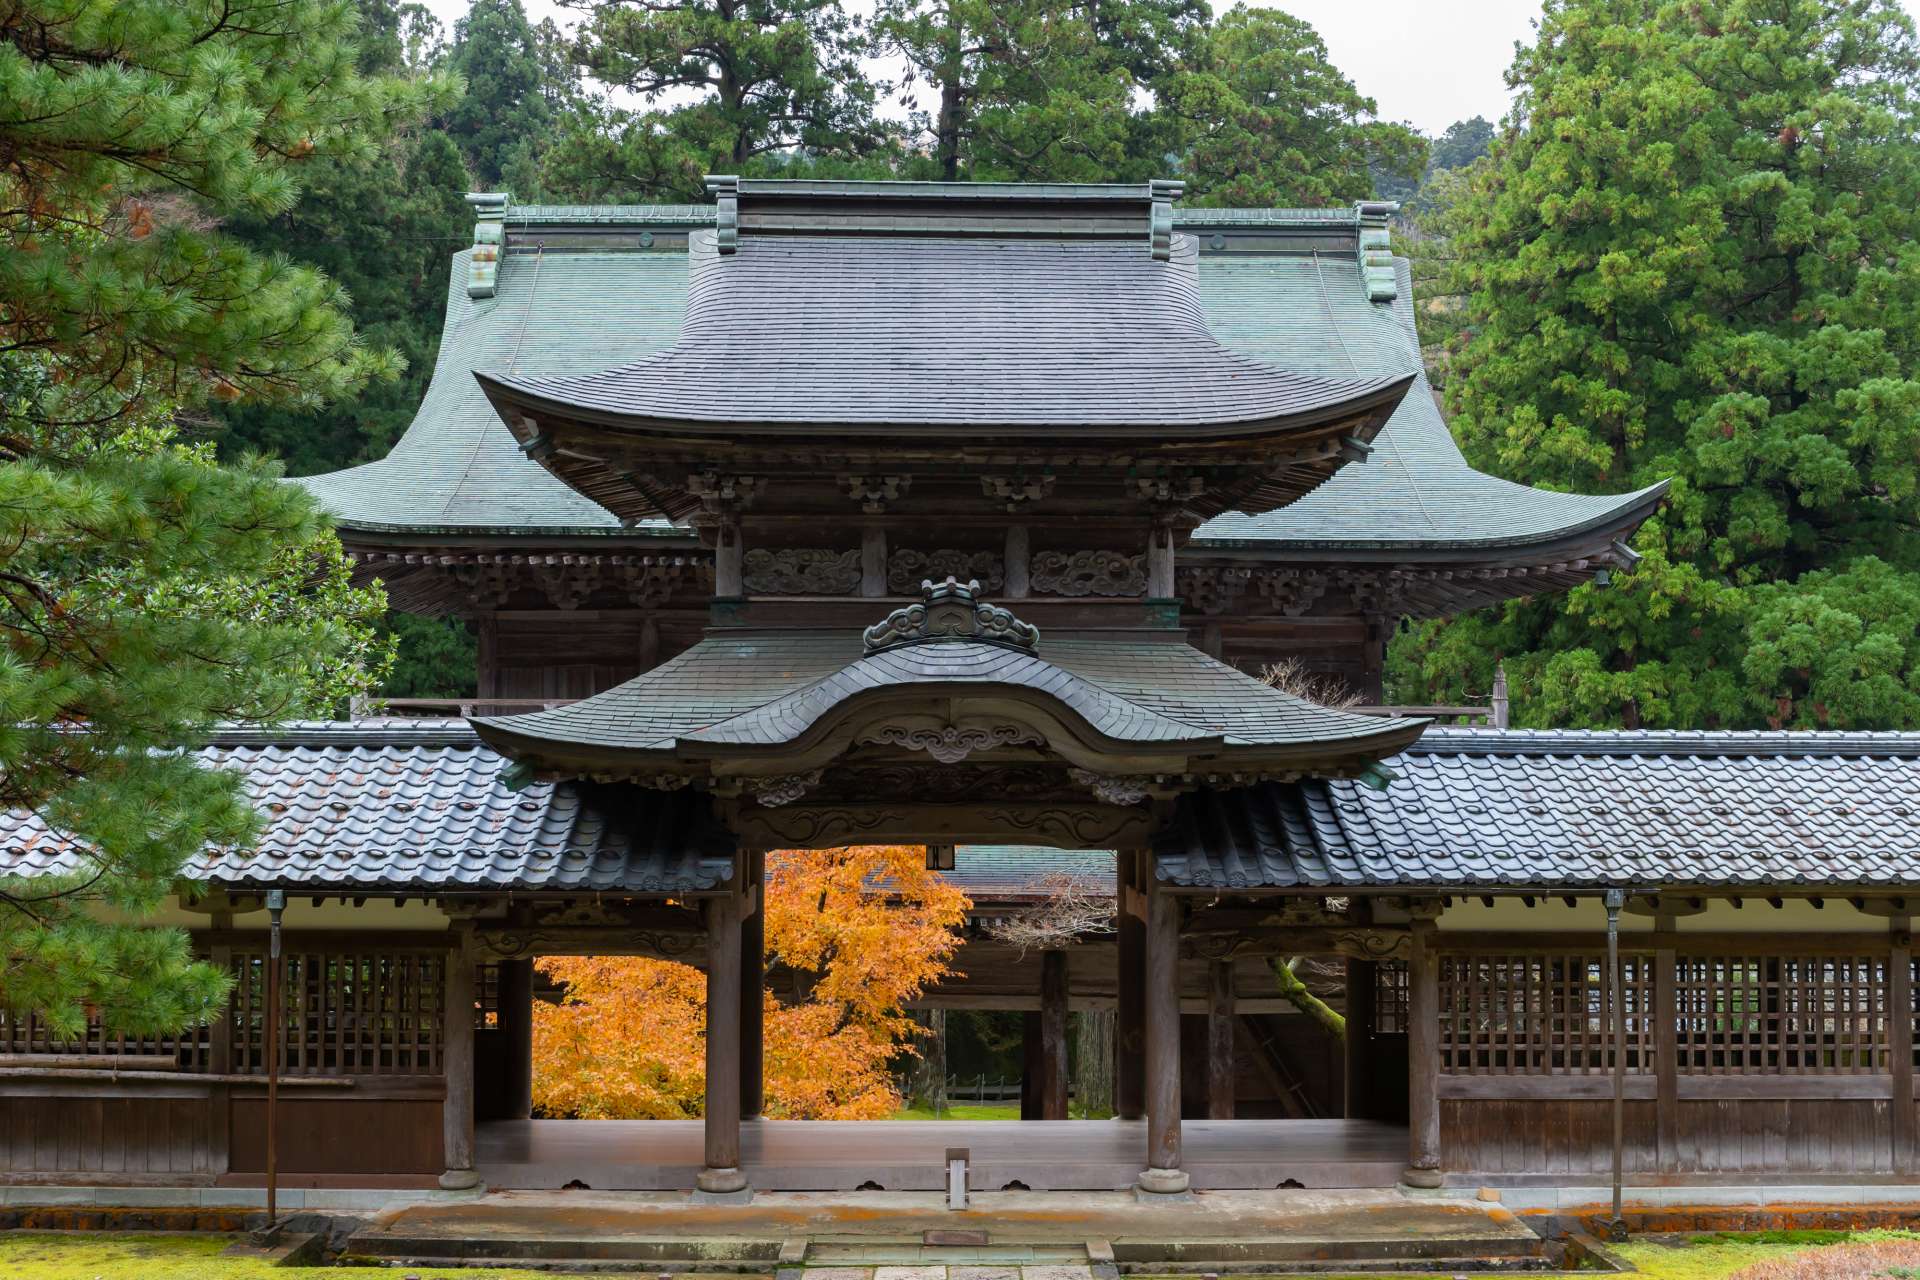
x=1390, y=998
x=26, y=1034
x=486, y=996
x=1540, y=1014
x=1787, y=1015
x=345, y=1013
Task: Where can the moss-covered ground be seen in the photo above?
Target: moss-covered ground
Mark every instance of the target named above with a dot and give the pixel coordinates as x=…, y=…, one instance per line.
x=1776, y=1255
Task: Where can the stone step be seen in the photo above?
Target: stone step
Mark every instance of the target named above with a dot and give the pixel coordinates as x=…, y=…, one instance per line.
x=729, y=1254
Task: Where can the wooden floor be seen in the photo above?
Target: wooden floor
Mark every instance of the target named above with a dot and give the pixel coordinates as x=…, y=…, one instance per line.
x=910, y=1155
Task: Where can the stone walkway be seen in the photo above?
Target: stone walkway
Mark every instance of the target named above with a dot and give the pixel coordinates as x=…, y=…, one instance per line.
x=1035, y=1271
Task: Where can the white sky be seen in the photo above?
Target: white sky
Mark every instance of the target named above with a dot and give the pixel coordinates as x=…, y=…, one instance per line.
x=1427, y=62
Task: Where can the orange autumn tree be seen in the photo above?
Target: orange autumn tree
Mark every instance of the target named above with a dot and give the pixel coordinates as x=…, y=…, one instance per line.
x=852, y=936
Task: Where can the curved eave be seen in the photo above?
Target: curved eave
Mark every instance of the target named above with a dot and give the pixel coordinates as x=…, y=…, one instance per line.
x=528, y=738
x=1551, y=543
x=527, y=397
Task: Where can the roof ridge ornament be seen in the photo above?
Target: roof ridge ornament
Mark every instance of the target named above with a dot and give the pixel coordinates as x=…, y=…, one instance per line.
x=1162, y=192
x=725, y=189
x=489, y=241
x=1376, y=249
x=948, y=612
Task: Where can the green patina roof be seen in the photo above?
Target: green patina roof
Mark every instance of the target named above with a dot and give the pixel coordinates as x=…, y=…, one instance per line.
x=1298, y=307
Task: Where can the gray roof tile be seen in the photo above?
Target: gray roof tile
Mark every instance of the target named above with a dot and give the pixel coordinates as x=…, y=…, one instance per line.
x=423, y=805
x=1571, y=810
x=842, y=332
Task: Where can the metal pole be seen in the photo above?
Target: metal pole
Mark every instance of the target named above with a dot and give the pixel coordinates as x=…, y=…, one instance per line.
x=1616, y=898
x=276, y=903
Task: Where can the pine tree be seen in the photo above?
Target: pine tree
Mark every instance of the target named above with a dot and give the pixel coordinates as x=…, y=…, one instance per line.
x=1695, y=253
x=1044, y=90
x=1267, y=119
x=727, y=88
x=147, y=592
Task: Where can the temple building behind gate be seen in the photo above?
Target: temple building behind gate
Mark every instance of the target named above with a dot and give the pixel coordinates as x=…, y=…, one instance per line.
x=972, y=516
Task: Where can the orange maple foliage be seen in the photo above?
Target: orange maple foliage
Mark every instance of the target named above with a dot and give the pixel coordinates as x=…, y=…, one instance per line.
x=852, y=936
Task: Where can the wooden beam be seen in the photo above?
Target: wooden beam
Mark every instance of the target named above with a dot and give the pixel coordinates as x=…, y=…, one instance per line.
x=514, y=992
x=722, y=1175
x=1423, y=1060
x=1358, y=1050
x=456, y=1113
x=1161, y=989
x=753, y=988
x=1220, y=1026
x=1052, y=1084
x=1900, y=1042
x=1666, y=1048
x=1130, y=1035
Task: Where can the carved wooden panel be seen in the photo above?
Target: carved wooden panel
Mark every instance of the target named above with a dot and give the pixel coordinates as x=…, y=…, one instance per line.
x=802, y=572
x=1089, y=573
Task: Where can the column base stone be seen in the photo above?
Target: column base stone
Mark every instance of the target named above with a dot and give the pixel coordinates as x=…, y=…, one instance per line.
x=463, y=1180
x=721, y=1186
x=1160, y=1185
x=1422, y=1179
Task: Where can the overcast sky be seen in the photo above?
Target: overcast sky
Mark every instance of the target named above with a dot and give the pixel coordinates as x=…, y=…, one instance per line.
x=1428, y=62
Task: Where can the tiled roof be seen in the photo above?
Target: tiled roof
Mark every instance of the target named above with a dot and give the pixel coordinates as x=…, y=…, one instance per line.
x=769, y=688
x=843, y=332
x=582, y=312
x=423, y=805
x=1551, y=810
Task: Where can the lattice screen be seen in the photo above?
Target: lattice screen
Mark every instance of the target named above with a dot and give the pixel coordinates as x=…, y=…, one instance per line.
x=1782, y=1015
x=1390, y=998
x=346, y=1013
x=25, y=1033
x=1539, y=1014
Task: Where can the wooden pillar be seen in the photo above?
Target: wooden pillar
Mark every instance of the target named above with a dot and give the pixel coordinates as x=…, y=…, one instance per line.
x=1423, y=1060
x=1900, y=1042
x=515, y=991
x=1362, y=990
x=1666, y=1047
x=722, y=1175
x=1163, y=1174
x=1130, y=1028
x=1052, y=1085
x=753, y=989
x=1030, y=1064
x=220, y=1063
x=1016, y=566
x=1220, y=1020
x=456, y=1114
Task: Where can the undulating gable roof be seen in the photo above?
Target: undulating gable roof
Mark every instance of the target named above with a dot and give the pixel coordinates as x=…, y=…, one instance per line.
x=1574, y=810
x=769, y=689
x=603, y=302
x=457, y=468
x=875, y=333
x=421, y=806
x=1300, y=311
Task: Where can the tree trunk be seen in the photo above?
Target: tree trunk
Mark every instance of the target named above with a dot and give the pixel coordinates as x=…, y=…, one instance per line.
x=926, y=1084
x=1093, y=1062
x=1296, y=994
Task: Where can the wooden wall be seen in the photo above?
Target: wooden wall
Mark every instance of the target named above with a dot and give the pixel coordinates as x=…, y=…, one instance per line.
x=87, y=1133
x=1747, y=1057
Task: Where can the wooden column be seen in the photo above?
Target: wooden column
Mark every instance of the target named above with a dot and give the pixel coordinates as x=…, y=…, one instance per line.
x=220, y=1063
x=753, y=989
x=1666, y=1047
x=1053, y=1035
x=1357, y=1049
x=456, y=1114
x=1423, y=1060
x=1220, y=1019
x=1016, y=566
x=1161, y=987
x=1030, y=1064
x=515, y=992
x=1129, y=1022
x=1900, y=1042
x=722, y=1175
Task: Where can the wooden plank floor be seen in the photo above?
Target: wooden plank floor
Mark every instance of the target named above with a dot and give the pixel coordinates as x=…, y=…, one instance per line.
x=909, y=1155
